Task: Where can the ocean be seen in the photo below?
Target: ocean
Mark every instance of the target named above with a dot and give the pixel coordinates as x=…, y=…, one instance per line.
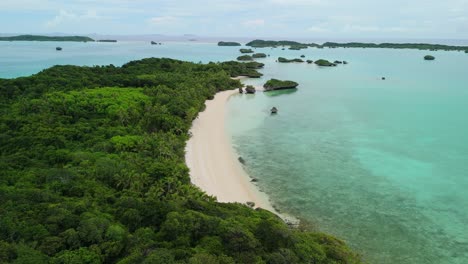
x=381, y=164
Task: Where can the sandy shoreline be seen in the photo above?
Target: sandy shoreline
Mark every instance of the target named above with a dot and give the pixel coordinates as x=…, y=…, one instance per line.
x=214, y=166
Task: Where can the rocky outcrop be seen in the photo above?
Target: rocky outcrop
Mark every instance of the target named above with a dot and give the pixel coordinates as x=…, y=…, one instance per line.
x=275, y=84
x=250, y=89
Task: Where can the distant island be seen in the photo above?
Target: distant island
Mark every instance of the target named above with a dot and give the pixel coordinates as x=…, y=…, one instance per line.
x=228, y=44
x=324, y=63
x=47, y=38
x=297, y=45
x=259, y=55
x=246, y=51
x=245, y=58
x=107, y=40
x=284, y=60
x=429, y=57
x=275, y=84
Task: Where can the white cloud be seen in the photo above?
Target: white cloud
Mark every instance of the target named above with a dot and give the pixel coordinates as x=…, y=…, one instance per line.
x=66, y=17
x=254, y=23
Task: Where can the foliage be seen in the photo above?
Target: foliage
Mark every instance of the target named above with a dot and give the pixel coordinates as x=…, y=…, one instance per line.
x=324, y=63
x=46, y=38
x=284, y=60
x=297, y=46
x=245, y=58
x=248, y=69
x=275, y=84
x=227, y=43
x=246, y=51
x=259, y=55
x=92, y=170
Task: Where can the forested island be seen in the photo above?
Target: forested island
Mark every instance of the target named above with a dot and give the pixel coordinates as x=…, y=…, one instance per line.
x=284, y=60
x=47, y=38
x=297, y=45
x=275, y=84
x=228, y=44
x=92, y=170
x=245, y=58
x=246, y=51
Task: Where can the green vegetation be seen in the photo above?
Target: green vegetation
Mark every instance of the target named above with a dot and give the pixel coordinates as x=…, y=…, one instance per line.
x=46, y=38
x=429, y=57
x=248, y=69
x=107, y=40
x=275, y=84
x=419, y=46
x=284, y=60
x=254, y=65
x=228, y=44
x=92, y=170
x=324, y=63
x=270, y=43
x=297, y=46
x=245, y=58
x=246, y=51
x=259, y=55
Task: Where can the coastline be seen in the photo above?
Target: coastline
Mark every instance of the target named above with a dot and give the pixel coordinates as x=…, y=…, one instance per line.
x=213, y=163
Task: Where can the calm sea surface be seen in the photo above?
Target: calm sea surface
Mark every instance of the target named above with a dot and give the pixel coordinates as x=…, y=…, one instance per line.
x=380, y=164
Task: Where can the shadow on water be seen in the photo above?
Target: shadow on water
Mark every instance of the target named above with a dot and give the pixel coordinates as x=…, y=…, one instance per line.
x=280, y=92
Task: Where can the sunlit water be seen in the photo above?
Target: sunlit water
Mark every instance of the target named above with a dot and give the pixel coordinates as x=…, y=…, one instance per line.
x=380, y=164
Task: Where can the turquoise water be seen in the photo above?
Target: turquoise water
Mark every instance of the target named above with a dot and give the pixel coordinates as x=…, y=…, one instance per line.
x=381, y=164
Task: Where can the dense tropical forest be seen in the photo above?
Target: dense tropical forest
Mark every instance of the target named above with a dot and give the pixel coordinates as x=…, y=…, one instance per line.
x=46, y=38
x=92, y=170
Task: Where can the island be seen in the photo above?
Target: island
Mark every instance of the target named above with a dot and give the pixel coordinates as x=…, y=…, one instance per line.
x=47, y=38
x=275, y=84
x=228, y=44
x=245, y=58
x=259, y=55
x=94, y=171
x=310, y=61
x=324, y=63
x=246, y=51
x=258, y=43
x=298, y=47
x=107, y=40
x=58, y=48
x=294, y=45
x=247, y=69
x=154, y=43
x=284, y=60
x=429, y=57
x=250, y=89
x=254, y=65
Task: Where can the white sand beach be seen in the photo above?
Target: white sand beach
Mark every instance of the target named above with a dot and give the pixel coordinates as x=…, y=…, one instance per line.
x=214, y=166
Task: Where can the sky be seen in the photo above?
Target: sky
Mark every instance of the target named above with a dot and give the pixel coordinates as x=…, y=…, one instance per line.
x=240, y=18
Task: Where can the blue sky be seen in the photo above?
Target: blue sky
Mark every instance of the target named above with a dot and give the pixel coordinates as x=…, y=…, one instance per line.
x=241, y=18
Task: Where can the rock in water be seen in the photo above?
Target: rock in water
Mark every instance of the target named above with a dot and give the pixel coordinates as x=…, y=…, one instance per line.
x=240, y=90
x=274, y=110
x=250, y=89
